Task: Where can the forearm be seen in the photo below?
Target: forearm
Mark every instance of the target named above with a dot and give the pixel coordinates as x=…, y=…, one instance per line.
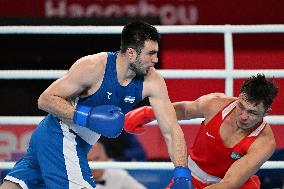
x=57, y=106
x=220, y=185
x=215, y=186
x=177, y=148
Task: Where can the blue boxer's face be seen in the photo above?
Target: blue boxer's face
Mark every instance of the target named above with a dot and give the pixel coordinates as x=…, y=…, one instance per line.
x=146, y=59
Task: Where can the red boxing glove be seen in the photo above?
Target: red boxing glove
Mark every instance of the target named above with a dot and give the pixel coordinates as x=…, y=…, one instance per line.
x=137, y=118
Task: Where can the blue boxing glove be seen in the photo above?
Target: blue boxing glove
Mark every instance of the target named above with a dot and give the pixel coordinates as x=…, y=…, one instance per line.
x=107, y=120
x=182, y=178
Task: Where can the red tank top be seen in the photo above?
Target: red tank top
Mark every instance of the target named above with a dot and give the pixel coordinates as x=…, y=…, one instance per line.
x=209, y=152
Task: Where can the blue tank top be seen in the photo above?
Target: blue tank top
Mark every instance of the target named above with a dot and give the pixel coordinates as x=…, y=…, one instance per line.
x=111, y=92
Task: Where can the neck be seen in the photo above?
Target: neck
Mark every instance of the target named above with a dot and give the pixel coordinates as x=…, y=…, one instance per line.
x=122, y=68
x=124, y=74
x=244, y=130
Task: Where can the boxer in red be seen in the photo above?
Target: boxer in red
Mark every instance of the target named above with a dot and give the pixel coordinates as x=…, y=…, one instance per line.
x=233, y=141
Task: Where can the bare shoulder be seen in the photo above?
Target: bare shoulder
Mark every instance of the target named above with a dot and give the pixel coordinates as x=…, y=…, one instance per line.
x=153, y=78
x=213, y=103
x=94, y=60
x=265, y=143
x=153, y=74
x=88, y=69
x=154, y=83
x=90, y=64
x=217, y=99
x=268, y=135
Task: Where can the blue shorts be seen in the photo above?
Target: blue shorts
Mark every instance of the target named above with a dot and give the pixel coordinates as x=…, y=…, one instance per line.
x=56, y=159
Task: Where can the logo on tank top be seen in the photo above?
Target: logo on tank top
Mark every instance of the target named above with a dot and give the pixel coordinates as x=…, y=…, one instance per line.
x=209, y=135
x=108, y=95
x=235, y=155
x=129, y=99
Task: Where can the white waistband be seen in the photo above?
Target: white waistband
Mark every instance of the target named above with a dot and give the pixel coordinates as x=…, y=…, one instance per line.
x=201, y=175
x=86, y=134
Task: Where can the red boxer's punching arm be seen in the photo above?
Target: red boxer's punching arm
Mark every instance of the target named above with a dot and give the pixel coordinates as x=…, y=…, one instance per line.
x=137, y=118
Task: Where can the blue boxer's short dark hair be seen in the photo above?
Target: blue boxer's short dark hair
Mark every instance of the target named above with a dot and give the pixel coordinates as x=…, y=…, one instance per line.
x=136, y=33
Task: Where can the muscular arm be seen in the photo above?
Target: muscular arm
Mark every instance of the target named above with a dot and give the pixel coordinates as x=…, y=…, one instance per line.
x=81, y=76
x=188, y=109
x=244, y=168
x=155, y=88
x=199, y=108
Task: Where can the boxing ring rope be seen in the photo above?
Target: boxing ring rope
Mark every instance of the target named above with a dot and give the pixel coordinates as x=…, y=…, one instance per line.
x=227, y=30
x=166, y=73
x=34, y=120
x=229, y=73
x=145, y=165
x=178, y=29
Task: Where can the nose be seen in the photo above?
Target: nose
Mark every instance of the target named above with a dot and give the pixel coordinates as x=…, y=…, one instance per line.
x=155, y=59
x=244, y=115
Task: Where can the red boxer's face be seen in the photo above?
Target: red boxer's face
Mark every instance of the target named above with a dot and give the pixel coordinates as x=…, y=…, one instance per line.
x=248, y=114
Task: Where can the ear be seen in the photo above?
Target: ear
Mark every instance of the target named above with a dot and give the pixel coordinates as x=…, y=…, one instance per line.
x=131, y=53
x=267, y=111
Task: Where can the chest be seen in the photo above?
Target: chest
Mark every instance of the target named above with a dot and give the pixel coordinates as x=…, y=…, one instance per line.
x=229, y=134
x=111, y=92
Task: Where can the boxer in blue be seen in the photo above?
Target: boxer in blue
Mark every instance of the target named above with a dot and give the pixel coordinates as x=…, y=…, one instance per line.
x=91, y=100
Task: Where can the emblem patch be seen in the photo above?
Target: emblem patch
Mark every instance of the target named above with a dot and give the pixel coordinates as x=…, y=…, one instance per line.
x=129, y=99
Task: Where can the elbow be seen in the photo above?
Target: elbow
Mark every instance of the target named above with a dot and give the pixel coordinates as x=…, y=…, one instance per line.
x=41, y=102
